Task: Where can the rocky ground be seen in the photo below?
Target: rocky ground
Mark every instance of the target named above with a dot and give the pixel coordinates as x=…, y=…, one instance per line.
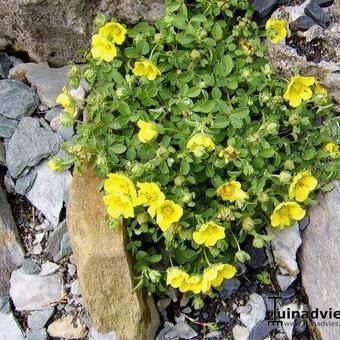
x=40, y=295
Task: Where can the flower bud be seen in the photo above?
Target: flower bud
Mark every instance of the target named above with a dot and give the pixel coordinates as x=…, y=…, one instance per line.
x=225, y=214
x=289, y=164
x=272, y=128
x=142, y=218
x=158, y=37
x=263, y=197
x=248, y=224
x=258, y=242
x=137, y=170
x=242, y=256
x=186, y=197
x=195, y=54
x=179, y=181
x=285, y=177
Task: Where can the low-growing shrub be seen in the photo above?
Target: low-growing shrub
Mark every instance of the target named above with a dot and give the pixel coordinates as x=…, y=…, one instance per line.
x=202, y=147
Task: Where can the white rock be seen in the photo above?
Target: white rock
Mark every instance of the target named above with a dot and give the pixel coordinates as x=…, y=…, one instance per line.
x=9, y=329
x=75, y=288
x=37, y=249
x=288, y=323
x=240, y=333
x=69, y=327
x=32, y=292
x=94, y=335
x=48, y=268
x=285, y=281
x=285, y=247
x=254, y=312
x=49, y=191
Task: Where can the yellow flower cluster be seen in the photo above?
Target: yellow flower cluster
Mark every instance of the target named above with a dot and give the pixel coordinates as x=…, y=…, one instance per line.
x=229, y=154
x=331, y=148
x=121, y=198
x=67, y=102
x=146, y=68
x=299, y=89
x=213, y=276
x=286, y=212
x=208, y=234
x=231, y=191
x=200, y=143
x=148, y=131
x=276, y=30
x=103, y=43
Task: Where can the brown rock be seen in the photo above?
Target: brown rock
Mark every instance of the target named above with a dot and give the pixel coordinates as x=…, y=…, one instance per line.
x=69, y=327
x=320, y=258
x=54, y=31
x=11, y=253
x=104, y=266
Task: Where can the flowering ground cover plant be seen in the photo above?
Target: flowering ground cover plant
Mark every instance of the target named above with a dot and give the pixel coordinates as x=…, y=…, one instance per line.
x=199, y=145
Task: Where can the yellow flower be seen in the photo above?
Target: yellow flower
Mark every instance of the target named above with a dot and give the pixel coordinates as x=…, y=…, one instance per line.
x=147, y=132
x=214, y=275
x=285, y=213
x=331, y=147
x=229, y=154
x=302, y=184
x=208, y=234
x=276, y=30
x=117, y=183
x=147, y=69
x=321, y=92
x=119, y=205
x=66, y=101
x=232, y=192
x=168, y=213
x=175, y=277
x=299, y=89
x=55, y=164
x=103, y=48
x=113, y=32
x=200, y=143
x=149, y=194
x=193, y=283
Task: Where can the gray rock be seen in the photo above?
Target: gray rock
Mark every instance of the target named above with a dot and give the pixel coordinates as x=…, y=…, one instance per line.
x=302, y=23
x=304, y=223
x=66, y=132
x=314, y=11
x=229, y=287
x=49, y=191
x=253, y=312
x=7, y=126
x=257, y=256
x=2, y=153
x=30, y=267
x=285, y=281
x=56, y=242
x=261, y=330
x=11, y=252
x=94, y=335
x=55, y=34
x=39, y=334
x=50, y=114
x=320, y=257
x=71, y=269
x=240, y=333
x=9, y=184
x=285, y=247
x=65, y=247
x=9, y=328
x=224, y=317
x=24, y=183
x=263, y=7
x=39, y=319
x=29, y=144
x=168, y=326
x=42, y=291
x=288, y=323
x=17, y=99
x=47, y=81
x=5, y=65
x=48, y=268
x=75, y=288
x=5, y=306
x=181, y=330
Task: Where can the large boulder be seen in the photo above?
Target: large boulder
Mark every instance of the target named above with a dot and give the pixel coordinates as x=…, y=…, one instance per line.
x=320, y=258
x=55, y=31
x=11, y=252
x=104, y=266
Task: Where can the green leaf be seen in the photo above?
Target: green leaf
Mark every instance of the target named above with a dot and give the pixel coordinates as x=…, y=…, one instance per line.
x=124, y=109
x=205, y=106
x=227, y=64
x=267, y=153
x=131, y=52
x=118, y=148
x=155, y=258
x=185, y=167
x=193, y=92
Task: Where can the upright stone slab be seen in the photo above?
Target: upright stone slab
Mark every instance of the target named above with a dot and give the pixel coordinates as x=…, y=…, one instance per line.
x=104, y=267
x=11, y=253
x=320, y=258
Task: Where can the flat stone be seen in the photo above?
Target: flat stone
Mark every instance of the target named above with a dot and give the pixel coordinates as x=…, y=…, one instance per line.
x=30, y=267
x=263, y=7
x=38, y=334
x=54, y=243
x=302, y=23
x=288, y=323
x=240, y=333
x=285, y=247
x=65, y=247
x=229, y=287
x=94, y=335
x=69, y=327
x=255, y=311
x=168, y=326
x=314, y=11
x=2, y=153
x=224, y=317
x=42, y=290
x=7, y=126
x=24, y=183
x=11, y=252
x=48, y=268
x=5, y=65
x=181, y=330
x=55, y=112
x=17, y=99
x=29, y=144
x=320, y=257
x=285, y=281
x=104, y=267
x=38, y=319
x=75, y=288
x=261, y=330
x=66, y=132
x=49, y=191
x=9, y=328
x=47, y=81
x=257, y=256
